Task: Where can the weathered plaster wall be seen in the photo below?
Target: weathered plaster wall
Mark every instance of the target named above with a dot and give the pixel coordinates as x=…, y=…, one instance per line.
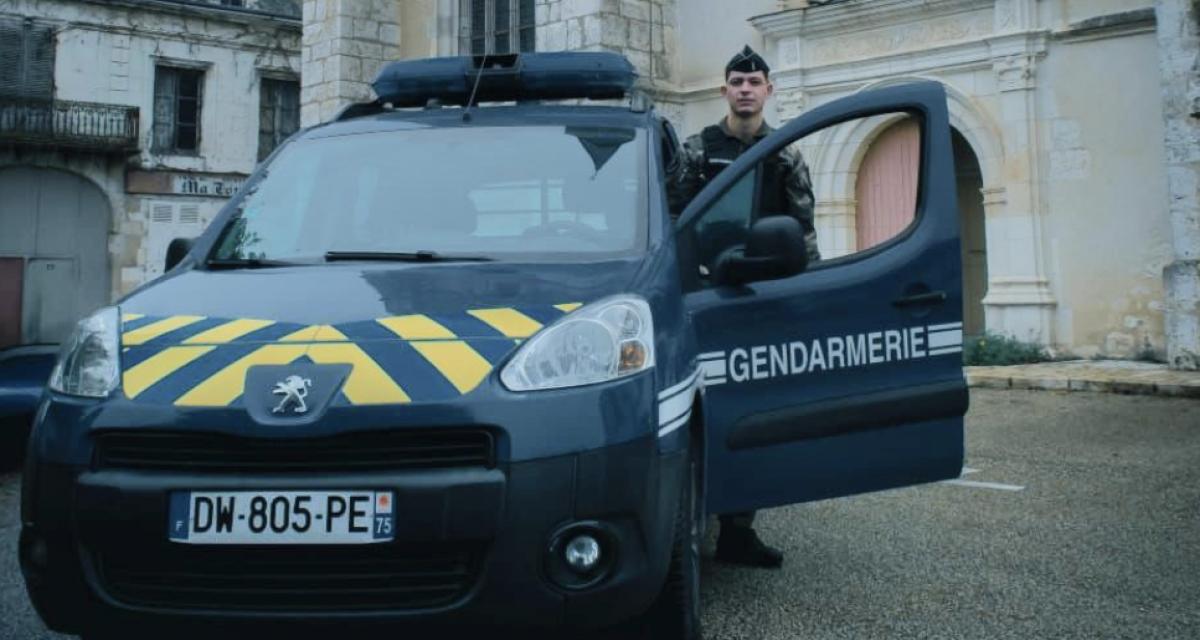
x=1106, y=234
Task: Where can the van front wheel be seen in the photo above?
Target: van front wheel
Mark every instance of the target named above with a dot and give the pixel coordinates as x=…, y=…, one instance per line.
x=675, y=615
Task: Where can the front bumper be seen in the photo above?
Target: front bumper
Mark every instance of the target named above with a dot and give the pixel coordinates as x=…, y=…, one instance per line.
x=94, y=548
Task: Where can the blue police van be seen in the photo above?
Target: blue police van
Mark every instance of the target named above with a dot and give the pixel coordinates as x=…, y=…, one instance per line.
x=450, y=360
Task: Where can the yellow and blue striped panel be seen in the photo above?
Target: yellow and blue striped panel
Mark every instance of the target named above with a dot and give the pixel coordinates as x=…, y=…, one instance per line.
x=197, y=361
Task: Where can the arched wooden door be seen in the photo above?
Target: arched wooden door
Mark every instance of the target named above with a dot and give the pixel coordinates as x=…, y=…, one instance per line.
x=53, y=253
x=886, y=187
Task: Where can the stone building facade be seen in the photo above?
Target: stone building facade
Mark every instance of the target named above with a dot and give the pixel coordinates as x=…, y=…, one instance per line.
x=1066, y=148
x=124, y=124
x=1059, y=108
x=1075, y=123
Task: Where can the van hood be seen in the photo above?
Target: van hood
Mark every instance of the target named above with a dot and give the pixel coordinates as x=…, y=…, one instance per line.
x=397, y=333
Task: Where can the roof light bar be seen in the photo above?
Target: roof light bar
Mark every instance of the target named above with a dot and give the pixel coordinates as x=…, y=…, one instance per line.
x=504, y=78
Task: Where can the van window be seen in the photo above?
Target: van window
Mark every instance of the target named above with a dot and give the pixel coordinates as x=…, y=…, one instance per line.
x=508, y=193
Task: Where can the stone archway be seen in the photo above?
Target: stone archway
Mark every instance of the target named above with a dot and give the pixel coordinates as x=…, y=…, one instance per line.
x=1018, y=301
x=852, y=215
x=54, y=248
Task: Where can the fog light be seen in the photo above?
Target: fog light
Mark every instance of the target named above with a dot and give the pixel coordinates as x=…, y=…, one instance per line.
x=582, y=553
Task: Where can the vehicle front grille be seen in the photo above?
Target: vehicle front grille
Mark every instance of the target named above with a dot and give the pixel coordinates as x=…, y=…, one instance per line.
x=391, y=450
x=315, y=579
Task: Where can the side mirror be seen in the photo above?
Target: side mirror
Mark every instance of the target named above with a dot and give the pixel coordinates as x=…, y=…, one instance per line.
x=774, y=249
x=177, y=251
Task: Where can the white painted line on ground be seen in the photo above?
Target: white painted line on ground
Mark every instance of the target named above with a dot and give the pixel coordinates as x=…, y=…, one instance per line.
x=968, y=471
x=985, y=485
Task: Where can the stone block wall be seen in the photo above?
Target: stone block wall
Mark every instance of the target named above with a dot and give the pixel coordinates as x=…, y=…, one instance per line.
x=1179, y=58
x=345, y=42
x=643, y=30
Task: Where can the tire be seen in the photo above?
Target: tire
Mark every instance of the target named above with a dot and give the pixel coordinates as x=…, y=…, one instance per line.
x=14, y=434
x=675, y=615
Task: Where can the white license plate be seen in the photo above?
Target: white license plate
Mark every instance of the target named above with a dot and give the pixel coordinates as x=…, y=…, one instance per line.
x=281, y=517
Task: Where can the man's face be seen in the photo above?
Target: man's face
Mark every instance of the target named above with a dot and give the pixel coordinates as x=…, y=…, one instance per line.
x=747, y=92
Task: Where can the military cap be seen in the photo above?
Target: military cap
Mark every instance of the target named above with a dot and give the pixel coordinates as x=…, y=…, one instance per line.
x=747, y=61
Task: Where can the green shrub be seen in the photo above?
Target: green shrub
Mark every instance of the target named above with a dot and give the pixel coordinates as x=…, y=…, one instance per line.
x=992, y=349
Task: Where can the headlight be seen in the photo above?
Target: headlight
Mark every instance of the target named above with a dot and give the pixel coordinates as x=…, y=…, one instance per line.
x=90, y=361
x=602, y=341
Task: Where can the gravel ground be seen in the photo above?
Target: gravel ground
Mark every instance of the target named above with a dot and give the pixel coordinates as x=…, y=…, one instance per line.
x=1102, y=541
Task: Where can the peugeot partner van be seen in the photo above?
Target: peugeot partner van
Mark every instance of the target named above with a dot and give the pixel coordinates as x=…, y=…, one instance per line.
x=449, y=360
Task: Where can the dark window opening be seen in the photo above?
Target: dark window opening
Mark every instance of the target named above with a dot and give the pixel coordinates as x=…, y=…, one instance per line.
x=278, y=113
x=498, y=26
x=178, y=94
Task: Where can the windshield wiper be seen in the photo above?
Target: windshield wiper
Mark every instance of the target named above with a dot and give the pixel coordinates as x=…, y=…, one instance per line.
x=403, y=256
x=246, y=263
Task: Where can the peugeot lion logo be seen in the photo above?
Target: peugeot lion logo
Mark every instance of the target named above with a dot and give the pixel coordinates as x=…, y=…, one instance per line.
x=294, y=390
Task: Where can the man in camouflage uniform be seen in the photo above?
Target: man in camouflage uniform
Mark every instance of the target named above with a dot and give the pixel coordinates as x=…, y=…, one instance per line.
x=786, y=189
x=786, y=186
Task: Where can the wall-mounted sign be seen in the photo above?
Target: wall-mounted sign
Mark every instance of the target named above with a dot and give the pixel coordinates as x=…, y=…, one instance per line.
x=184, y=183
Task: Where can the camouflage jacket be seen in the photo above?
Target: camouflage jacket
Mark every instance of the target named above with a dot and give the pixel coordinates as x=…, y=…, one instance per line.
x=696, y=170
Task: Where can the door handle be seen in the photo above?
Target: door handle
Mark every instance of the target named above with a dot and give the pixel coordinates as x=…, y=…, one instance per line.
x=920, y=299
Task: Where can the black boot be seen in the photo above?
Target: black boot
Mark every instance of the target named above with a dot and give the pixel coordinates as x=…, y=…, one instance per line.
x=740, y=545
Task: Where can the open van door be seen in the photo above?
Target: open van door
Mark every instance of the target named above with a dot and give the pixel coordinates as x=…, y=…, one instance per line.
x=845, y=376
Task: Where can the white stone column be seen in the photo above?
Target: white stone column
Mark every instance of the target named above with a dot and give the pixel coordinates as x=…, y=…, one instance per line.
x=1179, y=60
x=1019, y=301
x=345, y=43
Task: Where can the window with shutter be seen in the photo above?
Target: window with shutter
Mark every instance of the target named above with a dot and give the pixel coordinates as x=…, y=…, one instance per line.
x=497, y=26
x=39, y=63
x=26, y=60
x=278, y=113
x=12, y=52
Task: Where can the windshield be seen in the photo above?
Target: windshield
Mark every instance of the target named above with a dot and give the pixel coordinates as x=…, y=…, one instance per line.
x=504, y=193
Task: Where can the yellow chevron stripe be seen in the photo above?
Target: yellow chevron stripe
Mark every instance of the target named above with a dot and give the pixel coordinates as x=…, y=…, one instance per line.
x=227, y=384
x=230, y=382
x=510, y=322
x=455, y=359
x=569, y=307
x=130, y=317
x=307, y=334
x=156, y=329
x=159, y=366
x=228, y=332
x=417, y=327
x=328, y=333
x=368, y=382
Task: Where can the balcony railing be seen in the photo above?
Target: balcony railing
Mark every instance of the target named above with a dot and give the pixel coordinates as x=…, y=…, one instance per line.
x=65, y=124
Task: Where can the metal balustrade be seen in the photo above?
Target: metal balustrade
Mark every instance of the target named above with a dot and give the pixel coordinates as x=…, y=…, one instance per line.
x=67, y=124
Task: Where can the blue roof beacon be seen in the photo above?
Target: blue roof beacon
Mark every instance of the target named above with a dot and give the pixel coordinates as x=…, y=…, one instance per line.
x=450, y=360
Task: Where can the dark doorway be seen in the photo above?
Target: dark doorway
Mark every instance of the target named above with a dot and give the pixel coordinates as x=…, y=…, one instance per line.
x=969, y=179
